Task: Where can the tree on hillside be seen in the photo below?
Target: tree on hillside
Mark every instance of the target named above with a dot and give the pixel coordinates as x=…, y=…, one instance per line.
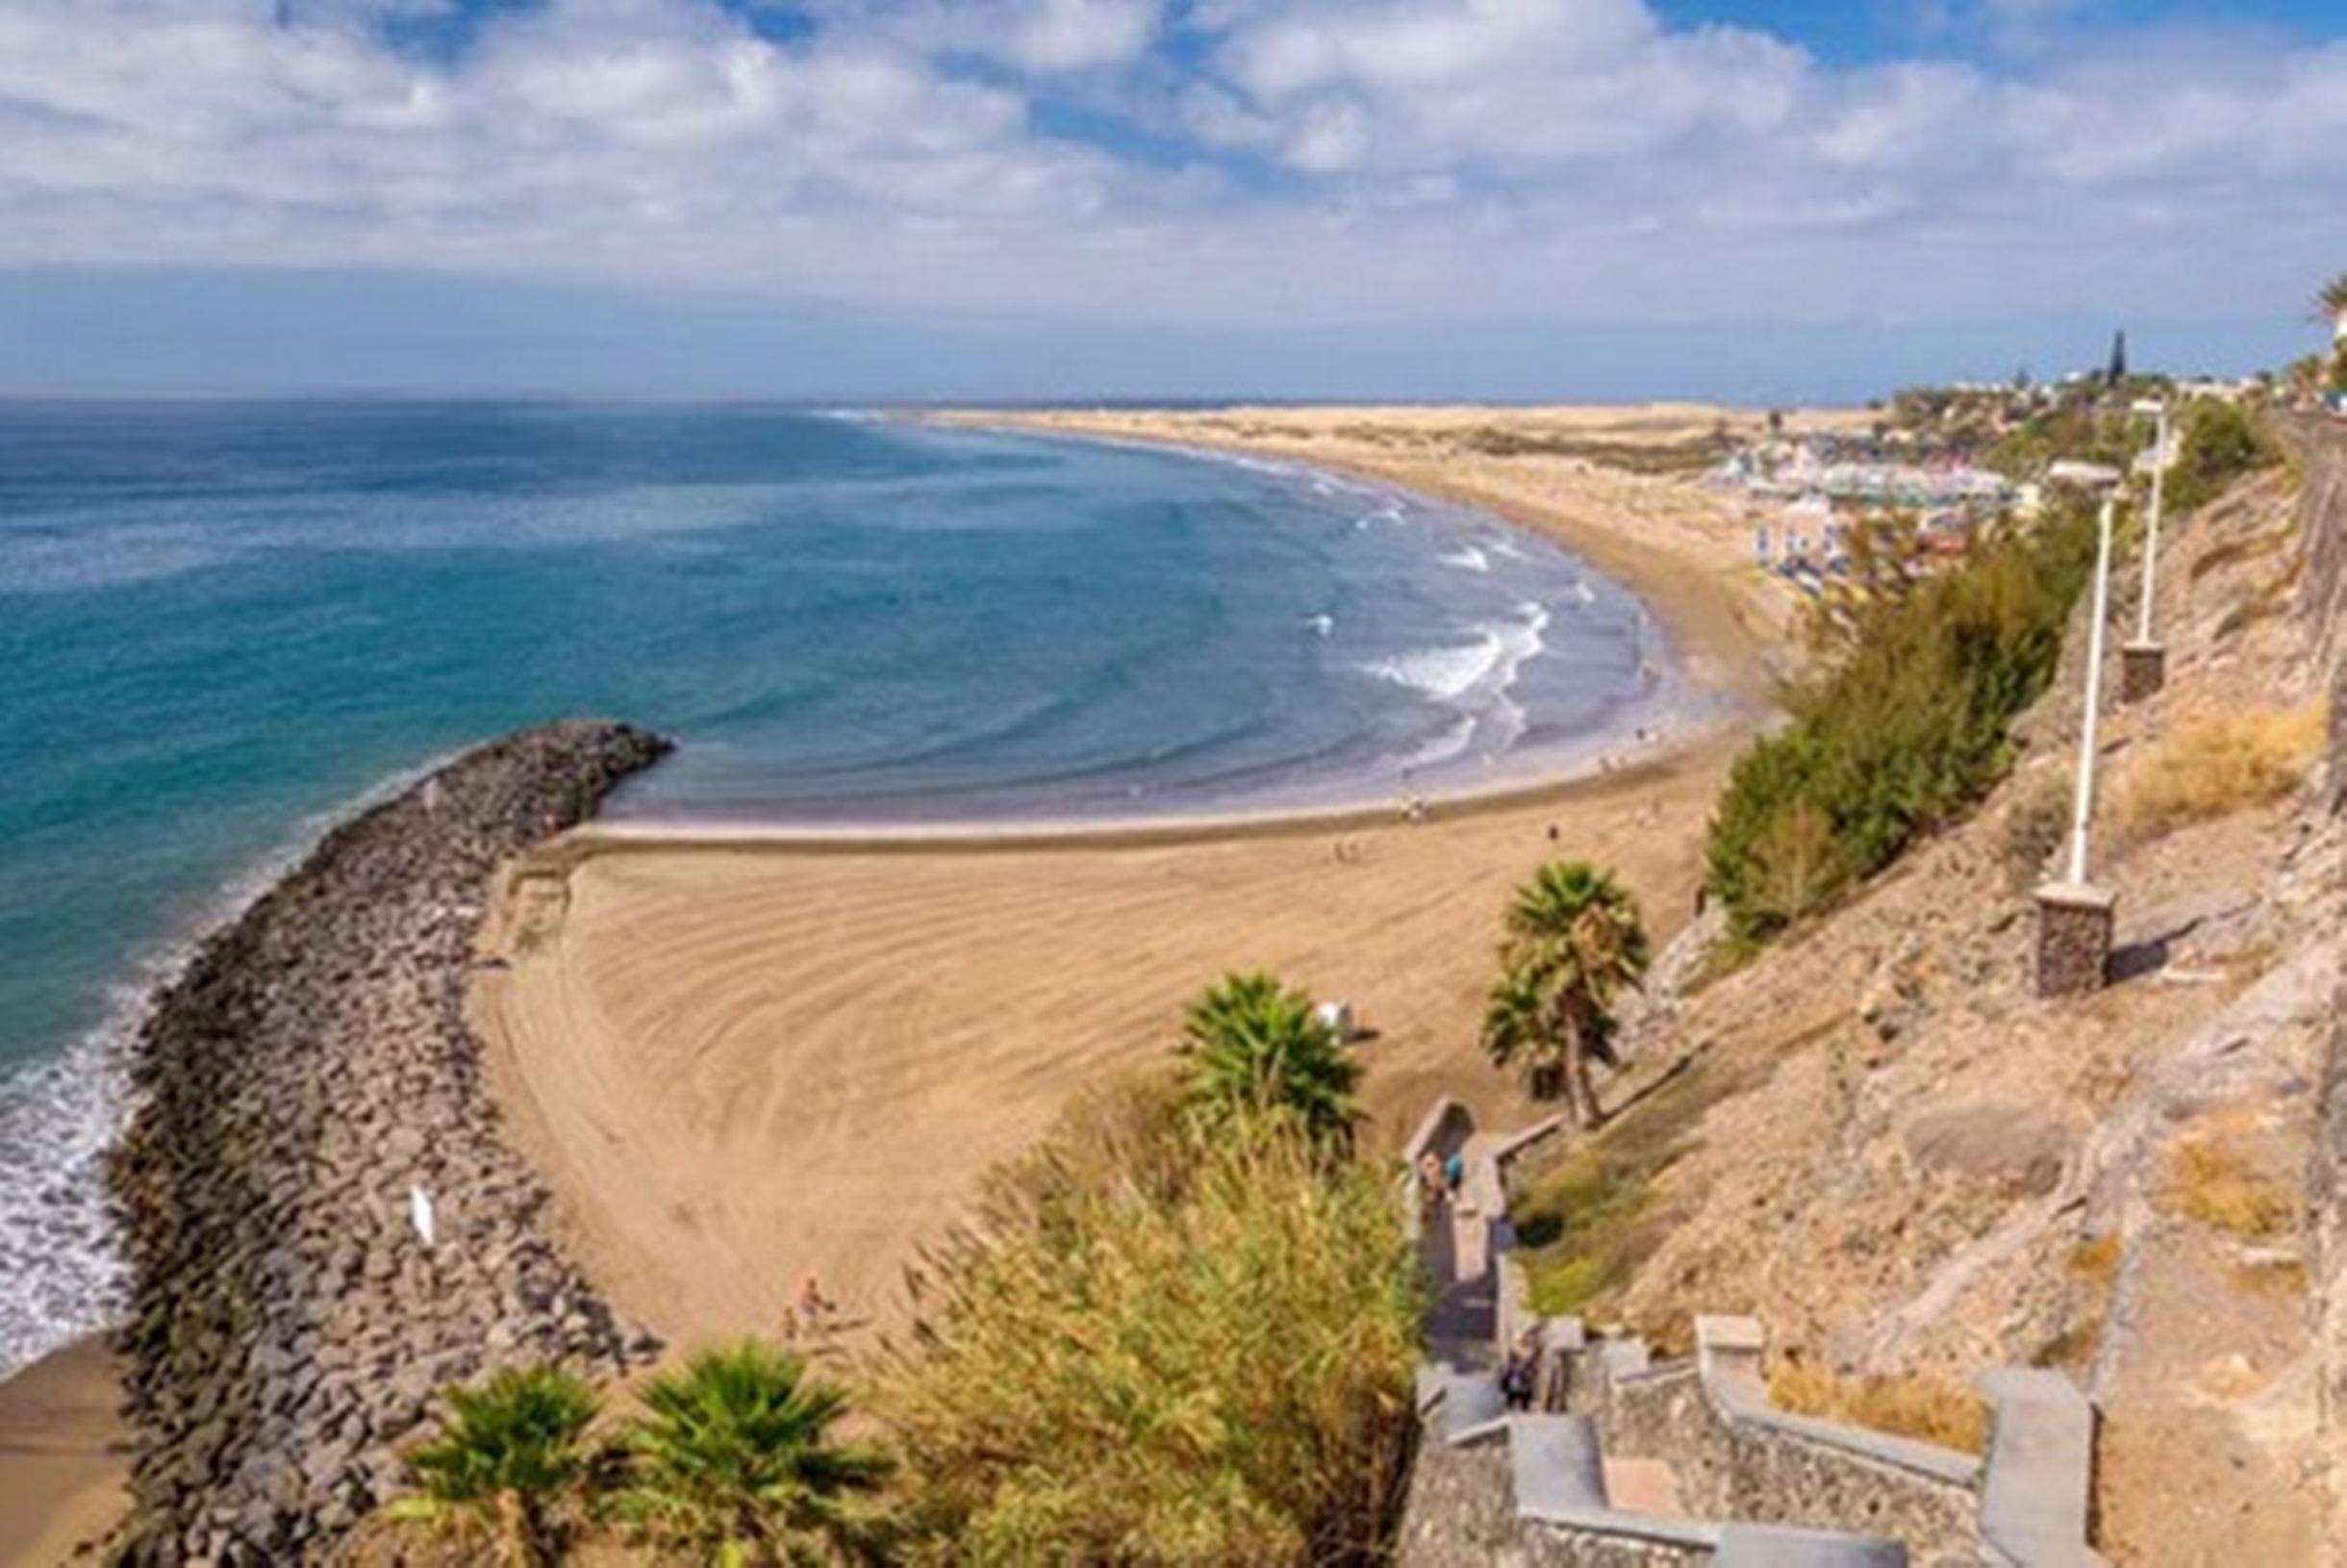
x=513, y=1463
x=1250, y=1043
x=734, y=1458
x=1575, y=943
x=2330, y=303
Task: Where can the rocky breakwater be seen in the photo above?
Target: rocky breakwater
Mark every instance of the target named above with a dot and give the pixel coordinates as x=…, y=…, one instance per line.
x=307, y=1075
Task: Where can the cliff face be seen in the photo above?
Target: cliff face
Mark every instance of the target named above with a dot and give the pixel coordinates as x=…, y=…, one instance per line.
x=2320, y=442
x=1889, y=1150
x=2322, y=447
x=308, y=1076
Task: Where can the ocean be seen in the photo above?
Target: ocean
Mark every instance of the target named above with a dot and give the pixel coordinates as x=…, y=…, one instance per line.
x=223, y=625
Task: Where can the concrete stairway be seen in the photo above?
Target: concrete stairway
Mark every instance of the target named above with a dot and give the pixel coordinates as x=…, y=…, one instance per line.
x=1771, y=1490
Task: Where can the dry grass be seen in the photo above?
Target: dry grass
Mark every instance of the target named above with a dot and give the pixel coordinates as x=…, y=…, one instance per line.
x=2214, y=764
x=2094, y=1264
x=2212, y=1181
x=1930, y=1409
x=2283, y=1278
x=2096, y=1259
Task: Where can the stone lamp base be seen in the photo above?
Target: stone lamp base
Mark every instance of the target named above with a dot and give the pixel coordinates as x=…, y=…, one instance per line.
x=2074, y=930
x=2143, y=669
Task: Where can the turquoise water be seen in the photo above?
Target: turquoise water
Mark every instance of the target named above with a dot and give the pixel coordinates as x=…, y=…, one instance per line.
x=223, y=623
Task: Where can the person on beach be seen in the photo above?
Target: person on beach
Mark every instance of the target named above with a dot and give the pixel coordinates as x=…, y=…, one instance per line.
x=1430, y=1184
x=814, y=1310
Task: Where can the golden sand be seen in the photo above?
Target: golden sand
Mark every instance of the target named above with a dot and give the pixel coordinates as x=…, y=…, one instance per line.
x=739, y=1061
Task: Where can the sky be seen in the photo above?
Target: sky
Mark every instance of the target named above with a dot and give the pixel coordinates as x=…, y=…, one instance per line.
x=868, y=199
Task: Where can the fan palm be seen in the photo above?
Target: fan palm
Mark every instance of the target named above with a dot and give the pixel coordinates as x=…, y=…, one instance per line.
x=1519, y=1032
x=2330, y=301
x=733, y=1457
x=513, y=1459
x=1575, y=943
x=1251, y=1043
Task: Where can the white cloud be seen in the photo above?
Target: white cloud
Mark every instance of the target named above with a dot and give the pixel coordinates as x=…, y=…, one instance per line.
x=1346, y=156
x=1042, y=37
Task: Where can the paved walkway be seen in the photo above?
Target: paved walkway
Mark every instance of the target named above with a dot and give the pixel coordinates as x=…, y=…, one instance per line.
x=1456, y=1239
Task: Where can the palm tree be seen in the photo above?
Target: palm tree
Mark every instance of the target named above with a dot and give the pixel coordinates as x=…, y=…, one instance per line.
x=513, y=1459
x=734, y=1458
x=2330, y=303
x=1519, y=1031
x=1573, y=942
x=1253, y=1044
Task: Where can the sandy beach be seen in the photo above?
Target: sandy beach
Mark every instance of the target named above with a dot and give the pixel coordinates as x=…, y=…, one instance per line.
x=63, y=1451
x=741, y=1057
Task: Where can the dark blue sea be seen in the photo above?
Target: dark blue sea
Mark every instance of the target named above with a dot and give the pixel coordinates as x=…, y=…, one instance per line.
x=224, y=624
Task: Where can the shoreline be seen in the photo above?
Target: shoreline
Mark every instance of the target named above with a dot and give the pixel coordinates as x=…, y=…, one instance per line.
x=1721, y=660
x=1714, y=627
x=740, y=1054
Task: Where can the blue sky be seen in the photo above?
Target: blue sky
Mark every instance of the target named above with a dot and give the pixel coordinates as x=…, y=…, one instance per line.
x=1038, y=198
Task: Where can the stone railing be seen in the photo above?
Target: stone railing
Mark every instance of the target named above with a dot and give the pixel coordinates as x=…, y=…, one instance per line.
x=1736, y=1455
x=1758, y=1484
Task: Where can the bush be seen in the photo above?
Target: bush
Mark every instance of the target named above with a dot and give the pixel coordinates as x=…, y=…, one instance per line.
x=1904, y=730
x=514, y=1465
x=734, y=1460
x=1252, y=1045
x=2036, y=822
x=1162, y=1343
x=2220, y=763
x=2220, y=443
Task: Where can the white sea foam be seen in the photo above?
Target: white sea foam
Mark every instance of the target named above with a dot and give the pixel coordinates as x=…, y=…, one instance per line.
x=1467, y=558
x=1474, y=676
x=61, y=1270
x=1455, y=738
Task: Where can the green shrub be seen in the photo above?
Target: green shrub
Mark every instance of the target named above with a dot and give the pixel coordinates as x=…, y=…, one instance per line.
x=514, y=1466
x=2220, y=443
x=1902, y=732
x=734, y=1460
x=1164, y=1341
x=1252, y=1045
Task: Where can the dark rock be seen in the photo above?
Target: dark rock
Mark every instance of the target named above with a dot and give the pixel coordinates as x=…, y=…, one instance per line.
x=285, y=1329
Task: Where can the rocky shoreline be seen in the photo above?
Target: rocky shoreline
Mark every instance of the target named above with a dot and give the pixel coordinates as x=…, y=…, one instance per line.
x=311, y=1070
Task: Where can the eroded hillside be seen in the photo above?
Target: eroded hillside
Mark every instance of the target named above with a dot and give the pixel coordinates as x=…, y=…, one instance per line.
x=1877, y=1140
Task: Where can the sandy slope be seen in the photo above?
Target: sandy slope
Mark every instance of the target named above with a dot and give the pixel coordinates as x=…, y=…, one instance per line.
x=739, y=1063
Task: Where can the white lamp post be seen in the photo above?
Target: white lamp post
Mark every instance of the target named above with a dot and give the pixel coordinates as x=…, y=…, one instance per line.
x=2082, y=807
x=2143, y=664
x=2075, y=917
